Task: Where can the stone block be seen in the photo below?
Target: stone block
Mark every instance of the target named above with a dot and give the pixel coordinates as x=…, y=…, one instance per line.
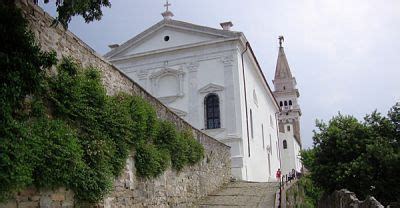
x=67, y=204
x=9, y=204
x=58, y=197
x=28, y=204
x=45, y=202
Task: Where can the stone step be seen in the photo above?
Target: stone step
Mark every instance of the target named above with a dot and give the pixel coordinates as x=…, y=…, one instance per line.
x=242, y=194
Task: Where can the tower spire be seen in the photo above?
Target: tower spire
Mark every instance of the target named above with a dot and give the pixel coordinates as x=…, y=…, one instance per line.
x=167, y=14
x=282, y=70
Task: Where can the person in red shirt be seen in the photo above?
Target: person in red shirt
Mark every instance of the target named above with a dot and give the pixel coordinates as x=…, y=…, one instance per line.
x=278, y=174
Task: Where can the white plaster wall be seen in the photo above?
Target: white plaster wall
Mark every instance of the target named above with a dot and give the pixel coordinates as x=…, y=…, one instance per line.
x=290, y=156
x=257, y=165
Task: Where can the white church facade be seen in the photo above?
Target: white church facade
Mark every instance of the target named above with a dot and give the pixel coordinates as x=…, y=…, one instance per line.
x=211, y=78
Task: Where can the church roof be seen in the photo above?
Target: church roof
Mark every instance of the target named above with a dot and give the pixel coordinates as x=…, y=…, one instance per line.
x=219, y=33
x=282, y=70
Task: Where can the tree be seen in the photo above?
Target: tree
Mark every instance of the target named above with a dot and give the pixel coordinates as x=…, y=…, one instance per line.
x=360, y=156
x=89, y=9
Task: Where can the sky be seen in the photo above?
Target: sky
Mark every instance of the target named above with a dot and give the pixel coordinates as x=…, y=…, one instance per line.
x=344, y=54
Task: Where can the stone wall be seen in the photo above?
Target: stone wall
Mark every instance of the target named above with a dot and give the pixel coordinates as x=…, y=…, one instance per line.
x=294, y=195
x=171, y=189
x=345, y=198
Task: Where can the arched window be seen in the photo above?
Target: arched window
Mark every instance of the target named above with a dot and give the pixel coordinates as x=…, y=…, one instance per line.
x=290, y=102
x=211, y=105
x=281, y=103
x=285, y=103
x=284, y=144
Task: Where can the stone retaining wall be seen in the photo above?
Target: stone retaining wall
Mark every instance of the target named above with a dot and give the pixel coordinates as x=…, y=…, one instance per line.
x=171, y=189
x=294, y=195
x=345, y=198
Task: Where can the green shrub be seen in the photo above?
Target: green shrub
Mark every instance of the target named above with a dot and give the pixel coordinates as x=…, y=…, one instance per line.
x=150, y=161
x=17, y=158
x=91, y=185
x=196, y=151
x=145, y=123
x=182, y=146
x=61, y=153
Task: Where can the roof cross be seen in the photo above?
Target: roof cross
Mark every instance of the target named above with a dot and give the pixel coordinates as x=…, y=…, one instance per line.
x=167, y=5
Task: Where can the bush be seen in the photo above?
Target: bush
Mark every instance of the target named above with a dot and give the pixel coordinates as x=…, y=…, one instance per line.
x=196, y=150
x=312, y=192
x=145, y=123
x=182, y=147
x=60, y=155
x=150, y=161
x=17, y=158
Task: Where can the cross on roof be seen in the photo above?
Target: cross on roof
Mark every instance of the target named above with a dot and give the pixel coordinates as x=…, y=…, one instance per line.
x=167, y=5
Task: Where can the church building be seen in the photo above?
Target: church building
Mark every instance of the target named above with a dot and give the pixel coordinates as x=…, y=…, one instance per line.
x=212, y=79
x=286, y=94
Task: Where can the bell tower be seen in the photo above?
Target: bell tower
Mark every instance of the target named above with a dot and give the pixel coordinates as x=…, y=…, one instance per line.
x=287, y=95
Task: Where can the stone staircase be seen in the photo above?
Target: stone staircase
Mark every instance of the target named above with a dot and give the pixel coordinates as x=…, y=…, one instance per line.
x=242, y=194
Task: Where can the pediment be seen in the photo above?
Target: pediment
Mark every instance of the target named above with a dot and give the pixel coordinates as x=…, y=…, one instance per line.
x=168, y=34
x=209, y=88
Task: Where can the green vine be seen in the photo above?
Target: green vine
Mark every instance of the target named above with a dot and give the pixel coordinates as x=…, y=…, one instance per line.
x=64, y=130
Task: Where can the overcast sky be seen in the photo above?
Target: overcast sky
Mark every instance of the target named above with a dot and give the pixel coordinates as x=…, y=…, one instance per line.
x=345, y=54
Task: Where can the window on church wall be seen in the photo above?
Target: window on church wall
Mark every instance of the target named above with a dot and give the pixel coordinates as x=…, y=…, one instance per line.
x=284, y=88
x=285, y=103
x=288, y=128
x=212, y=112
x=290, y=102
x=284, y=144
x=281, y=103
x=251, y=124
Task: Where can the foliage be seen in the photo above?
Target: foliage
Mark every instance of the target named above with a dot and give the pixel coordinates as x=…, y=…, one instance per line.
x=150, y=161
x=22, y=63
x=363, y=157
x=195, y=151
x=182, y=146
x=64, y=130
x=312, y=192
x=89, y=9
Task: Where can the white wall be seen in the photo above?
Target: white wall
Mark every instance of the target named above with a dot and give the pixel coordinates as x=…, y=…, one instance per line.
x=290, y=155
x=257, y=165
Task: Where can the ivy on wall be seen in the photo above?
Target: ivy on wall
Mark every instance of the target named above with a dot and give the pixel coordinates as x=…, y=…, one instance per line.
x=64, y=130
